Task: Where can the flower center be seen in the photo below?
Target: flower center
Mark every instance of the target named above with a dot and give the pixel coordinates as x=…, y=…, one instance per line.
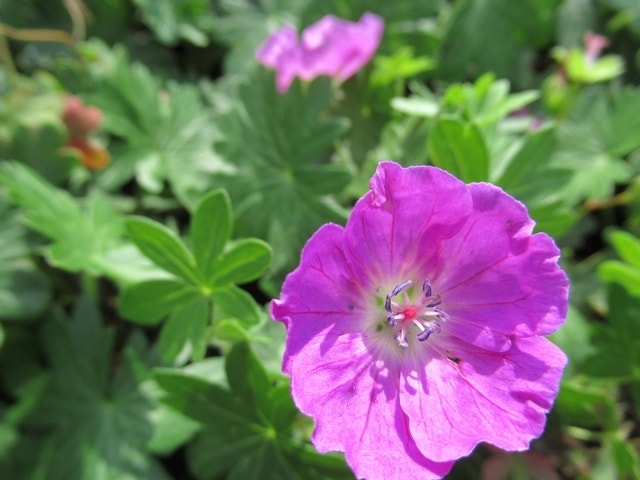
x=425, y=314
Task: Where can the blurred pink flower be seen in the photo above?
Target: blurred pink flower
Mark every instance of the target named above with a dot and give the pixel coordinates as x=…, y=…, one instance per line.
x=331, y=47
x=81, y=120
x=594, y=44
x=416, y=332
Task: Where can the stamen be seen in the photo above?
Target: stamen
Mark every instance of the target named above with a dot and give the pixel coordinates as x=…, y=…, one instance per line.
x=426, y=329
x=401, y=338
x=394, y=319
x=424, y=334
x=426, y=313
x=437, y=301
x=426, y=288
x=400, y=288
x=442, y=315
x=394, y=292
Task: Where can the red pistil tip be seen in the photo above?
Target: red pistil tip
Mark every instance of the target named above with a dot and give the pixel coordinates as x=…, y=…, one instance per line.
x=410, y=313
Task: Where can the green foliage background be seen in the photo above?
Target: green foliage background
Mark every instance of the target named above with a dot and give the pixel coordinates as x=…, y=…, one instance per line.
x=134, y=337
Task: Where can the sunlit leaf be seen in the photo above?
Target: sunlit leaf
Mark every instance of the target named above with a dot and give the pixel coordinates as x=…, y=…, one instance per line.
x=244, y=261
x=459, y=148
x=163, y=247
x=210, y=230
x=82, y=232
x=600, y=131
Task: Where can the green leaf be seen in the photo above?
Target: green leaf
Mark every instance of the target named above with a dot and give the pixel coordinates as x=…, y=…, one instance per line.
x=227, y=452
x=81, y=233
x=486, y=101
x=150, y=301
x=51, y=211
x=531, y=160
x=91, y=394
x=616, y=458
x=555, y=218
x=618, y=354
x=31, y=127
x=624, y=311
x=478, y=33
x=311, y=464
x=582, y=405
x=416, y=105
x=186, y=325
x=627, y=15
x=230, y=330
x=459, y=148
x=268, y=340
x=41, y=148
x=167, y=129
x=626, y=275
x=626, y=458
x=527, y=172
x=236, y=303
x=401, y=65
x=323, y=179
x=270, y=142
x=395, y=14
x=171, y=430
x=171, y=21
x=246, y=430
x=245, y=260
x=581, y=69
x=282, y=412
x=210, y=230
x=24, y=290
x=163, y=247
x=199, y=399
x=243, y=26
x=246, y=375
x=126, y=265
x=600, y=131
x=627, y=246
x=575, y=17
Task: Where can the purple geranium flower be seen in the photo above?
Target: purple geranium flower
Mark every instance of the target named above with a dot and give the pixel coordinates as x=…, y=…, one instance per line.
x=415, y=332
x=331, y=47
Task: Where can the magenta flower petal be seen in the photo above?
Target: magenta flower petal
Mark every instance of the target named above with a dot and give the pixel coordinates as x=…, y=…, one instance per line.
x=320, y=53
x=504, y=281
x=366, y=35
x=277, y=47
x=418, y=325
x=345, y=376
x=279, y=52
x=507, y=396
x=322, y=294
x=337, y=48
x=357, y=408
x=389, y=242
x=330, y=47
